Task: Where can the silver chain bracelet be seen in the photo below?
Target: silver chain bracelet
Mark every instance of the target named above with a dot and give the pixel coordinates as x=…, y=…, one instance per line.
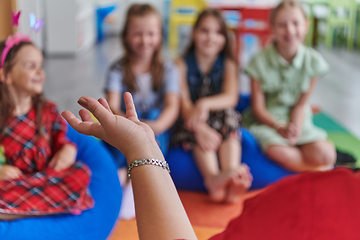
x=148, y=161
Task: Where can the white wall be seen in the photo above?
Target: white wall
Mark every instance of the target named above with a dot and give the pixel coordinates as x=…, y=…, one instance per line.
x=26, y=7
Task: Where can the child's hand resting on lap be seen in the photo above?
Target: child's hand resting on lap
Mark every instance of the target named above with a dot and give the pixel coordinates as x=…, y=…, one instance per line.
x=8, y=172
x=198, y=115
x=291, y=132
x=207, y=138
x=64, y=158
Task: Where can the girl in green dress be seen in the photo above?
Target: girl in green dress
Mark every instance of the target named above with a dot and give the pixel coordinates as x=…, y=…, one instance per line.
x=283, y=76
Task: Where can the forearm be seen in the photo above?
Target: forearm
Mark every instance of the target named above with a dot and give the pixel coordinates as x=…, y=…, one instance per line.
x=219, y=101
x=159, y=211
x=298, y=111
x=166, y=119
x=156, y=196
x=297, y=115
x=186, y=108
x=263, y=116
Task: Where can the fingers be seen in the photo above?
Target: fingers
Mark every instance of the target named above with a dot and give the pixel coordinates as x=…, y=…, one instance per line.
x=86, y=127
x=52, y=163
x=103, y=102
x=97, y=109
x=85, y=115
x=211, y=142
x=189, y=125
x=73, y=121
x=13, y=172
x=60, y=165
x=70, y=118
x=130, y=107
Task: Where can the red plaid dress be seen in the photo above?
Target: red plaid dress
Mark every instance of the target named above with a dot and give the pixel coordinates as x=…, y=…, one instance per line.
x=41, y=190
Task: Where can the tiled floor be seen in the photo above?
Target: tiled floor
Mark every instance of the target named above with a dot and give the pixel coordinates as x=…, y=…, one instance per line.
x=338, y=93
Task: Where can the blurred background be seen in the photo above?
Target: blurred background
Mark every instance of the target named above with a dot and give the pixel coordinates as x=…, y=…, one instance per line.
x=80, y=39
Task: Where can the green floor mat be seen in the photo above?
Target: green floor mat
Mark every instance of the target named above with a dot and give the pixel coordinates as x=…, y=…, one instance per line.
x=328, y=124
x=343, y=139
x=346, y=143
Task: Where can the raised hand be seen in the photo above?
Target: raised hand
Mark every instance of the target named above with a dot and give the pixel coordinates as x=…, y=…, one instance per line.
x=133, y=138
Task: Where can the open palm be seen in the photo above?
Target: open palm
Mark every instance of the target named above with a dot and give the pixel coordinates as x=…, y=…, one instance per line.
x=132, y=137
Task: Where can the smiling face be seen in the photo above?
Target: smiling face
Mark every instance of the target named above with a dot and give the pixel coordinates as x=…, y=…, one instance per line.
x=208, y=37
x=143, y=35
x=27, y=76
x=290, y=27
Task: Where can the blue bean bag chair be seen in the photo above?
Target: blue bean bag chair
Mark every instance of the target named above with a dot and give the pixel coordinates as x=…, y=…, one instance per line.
x=95, y=223
x=186, y=175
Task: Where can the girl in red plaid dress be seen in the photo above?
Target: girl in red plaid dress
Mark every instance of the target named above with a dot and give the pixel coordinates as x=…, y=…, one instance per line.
x=38, y=175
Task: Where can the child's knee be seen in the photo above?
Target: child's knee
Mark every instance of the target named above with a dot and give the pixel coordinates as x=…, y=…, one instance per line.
x=278, y=153
x=324, y=159
x=324, y=155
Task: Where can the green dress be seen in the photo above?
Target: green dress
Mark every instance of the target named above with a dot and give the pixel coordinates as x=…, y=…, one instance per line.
x=283, y=83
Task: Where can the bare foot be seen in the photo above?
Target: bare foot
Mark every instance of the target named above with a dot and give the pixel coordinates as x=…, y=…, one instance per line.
x=240, y=183
x=217, y=186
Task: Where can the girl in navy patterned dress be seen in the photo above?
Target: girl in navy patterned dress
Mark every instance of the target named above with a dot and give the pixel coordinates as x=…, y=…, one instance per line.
x=38, y=175
x=209, y=124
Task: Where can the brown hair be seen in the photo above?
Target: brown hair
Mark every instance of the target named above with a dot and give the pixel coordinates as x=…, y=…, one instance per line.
x=227, y=50
x=7, y=105
x=157, y=64
x=284, y=4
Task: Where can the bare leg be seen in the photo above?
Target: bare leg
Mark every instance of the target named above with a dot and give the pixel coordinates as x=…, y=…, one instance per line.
x=292, y=158
x=229, y=156
x=215, y=182
x=321, y=155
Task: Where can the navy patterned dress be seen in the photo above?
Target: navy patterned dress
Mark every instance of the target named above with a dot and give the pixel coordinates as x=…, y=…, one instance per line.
x=226, y=121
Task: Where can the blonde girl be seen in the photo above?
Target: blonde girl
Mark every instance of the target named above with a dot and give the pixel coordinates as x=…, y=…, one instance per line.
x=141, y=70
x=283, y=77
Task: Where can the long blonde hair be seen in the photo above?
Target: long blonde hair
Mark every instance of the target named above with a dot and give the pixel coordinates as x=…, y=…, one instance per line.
x=7, y=105
x=157, y=64
x=284, y=4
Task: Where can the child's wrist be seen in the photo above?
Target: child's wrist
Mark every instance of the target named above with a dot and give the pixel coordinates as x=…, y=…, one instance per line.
x=149, y=149
x=201, y=103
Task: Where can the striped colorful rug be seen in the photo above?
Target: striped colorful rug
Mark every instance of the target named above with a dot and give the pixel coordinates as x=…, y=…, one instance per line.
x=344, y=141
x=209, y=219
